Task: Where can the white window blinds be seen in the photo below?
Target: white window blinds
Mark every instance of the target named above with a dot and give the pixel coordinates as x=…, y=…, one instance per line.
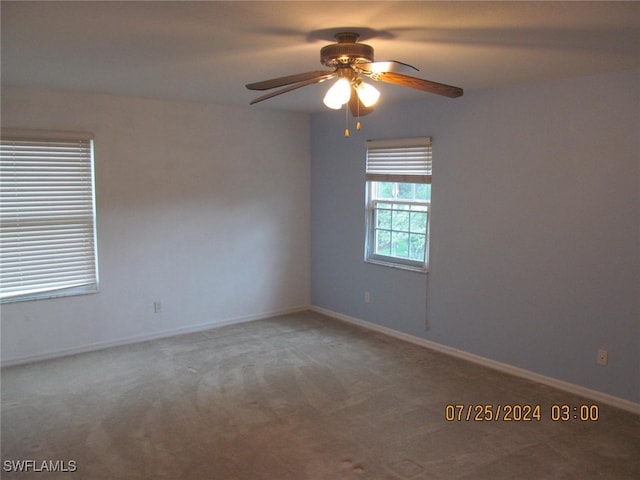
x=47, y=214
x=399, y=160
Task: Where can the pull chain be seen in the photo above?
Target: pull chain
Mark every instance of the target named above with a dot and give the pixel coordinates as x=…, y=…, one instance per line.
x=346, y=121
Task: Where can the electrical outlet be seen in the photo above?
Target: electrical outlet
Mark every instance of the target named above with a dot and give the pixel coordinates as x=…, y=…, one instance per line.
x=603, y=357
x=367, y=297
x=157, y=307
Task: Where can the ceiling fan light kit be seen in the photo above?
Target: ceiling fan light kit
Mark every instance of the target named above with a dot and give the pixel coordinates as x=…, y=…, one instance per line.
x=351, y=61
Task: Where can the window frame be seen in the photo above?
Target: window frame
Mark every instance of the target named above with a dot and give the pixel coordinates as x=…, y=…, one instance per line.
x=414, y=168
x=45, y=208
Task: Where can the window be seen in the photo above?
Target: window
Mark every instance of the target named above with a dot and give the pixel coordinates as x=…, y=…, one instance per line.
x=47, y=215
x=398, y=174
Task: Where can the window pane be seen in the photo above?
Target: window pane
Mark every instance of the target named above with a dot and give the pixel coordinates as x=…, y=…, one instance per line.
x=406, y=191
x=385, y=190
x=402, y=191
x=417, y=244
x=418, y=222
x=401, y=221
x=423, y=192
x=384, y=218
x=400, y=244
x=383, y=242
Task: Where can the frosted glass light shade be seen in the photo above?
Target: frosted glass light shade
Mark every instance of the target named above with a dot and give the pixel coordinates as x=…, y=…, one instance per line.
x=368, y=94
x=338, y=94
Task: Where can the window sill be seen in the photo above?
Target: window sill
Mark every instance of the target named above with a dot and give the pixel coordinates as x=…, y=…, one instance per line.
x=400, y=266
x=70, y=292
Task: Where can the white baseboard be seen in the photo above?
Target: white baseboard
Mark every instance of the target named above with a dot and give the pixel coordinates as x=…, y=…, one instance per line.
x=172, y=332
x=487, y=362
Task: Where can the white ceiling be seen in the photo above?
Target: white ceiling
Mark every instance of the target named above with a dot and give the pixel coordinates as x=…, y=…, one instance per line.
x=207, y=51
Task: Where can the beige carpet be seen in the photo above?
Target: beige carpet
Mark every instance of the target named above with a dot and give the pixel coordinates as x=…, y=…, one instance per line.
x=295, y=397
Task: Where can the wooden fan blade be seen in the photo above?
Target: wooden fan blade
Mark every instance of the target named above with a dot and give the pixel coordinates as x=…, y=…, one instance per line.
x=418, y=83
x=288, y=80
x=326, y=76
x=386, y=66
x=356, y=106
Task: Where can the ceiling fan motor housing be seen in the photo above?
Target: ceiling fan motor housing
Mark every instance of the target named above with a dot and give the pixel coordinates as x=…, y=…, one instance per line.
x=346, y=51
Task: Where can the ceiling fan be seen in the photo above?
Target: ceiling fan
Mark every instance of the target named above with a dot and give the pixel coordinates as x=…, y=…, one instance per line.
x=351, y=61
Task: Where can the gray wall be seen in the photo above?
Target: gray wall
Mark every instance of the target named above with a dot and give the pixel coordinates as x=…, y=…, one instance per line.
x=535, y=229
x=202, y=207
